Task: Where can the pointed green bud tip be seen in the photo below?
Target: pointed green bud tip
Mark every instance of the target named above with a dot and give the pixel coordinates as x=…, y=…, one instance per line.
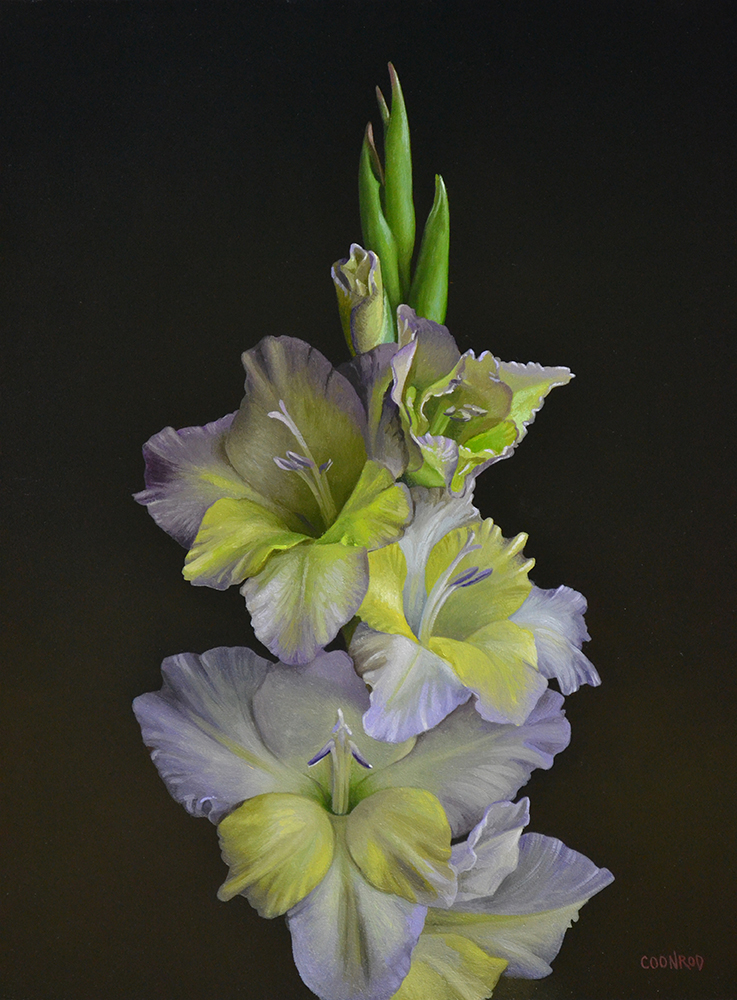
x=398, y=204
x=361, y=302
x=429, y=292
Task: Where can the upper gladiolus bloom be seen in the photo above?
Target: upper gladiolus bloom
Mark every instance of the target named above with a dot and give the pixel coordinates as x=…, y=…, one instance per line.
x=347, y=836
x=281, y=495
x=516, y=898
x=461, y=413
x=450, y=613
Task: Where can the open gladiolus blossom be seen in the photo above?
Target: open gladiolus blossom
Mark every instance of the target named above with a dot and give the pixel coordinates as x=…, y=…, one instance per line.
x=367, y=794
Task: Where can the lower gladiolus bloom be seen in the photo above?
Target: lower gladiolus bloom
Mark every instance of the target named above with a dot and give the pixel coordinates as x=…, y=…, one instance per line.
x=348, y=836
x=516, y=898
x=450, y=613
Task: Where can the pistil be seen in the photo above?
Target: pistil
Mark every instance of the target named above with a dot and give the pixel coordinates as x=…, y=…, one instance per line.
x=306, y=467
x=446, y=583
x=342, y=752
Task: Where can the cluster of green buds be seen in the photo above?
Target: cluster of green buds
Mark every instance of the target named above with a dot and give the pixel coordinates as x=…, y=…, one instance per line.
x=379, y=276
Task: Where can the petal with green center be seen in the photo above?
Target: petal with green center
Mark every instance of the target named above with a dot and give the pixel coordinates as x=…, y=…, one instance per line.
x=296, y=707
x=350, y=940
x=496, y=664
x=400, y=840
x=374, y=514
x=436, y=512
x=278, y=848
x=525, y=921
x=439, y=461
x=303, y=596
x=450, y=967
x=235, y=539
x=382, y=608
x=468, y=762
x=413, y=689
x=202, y=735
x=436, y=353
x=492, y=599
x=324, y=407
x=485, y=400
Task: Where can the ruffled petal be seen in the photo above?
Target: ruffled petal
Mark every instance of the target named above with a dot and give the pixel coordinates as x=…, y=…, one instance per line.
x=530, y=384
x=352, y=941
x=235, y=539
x=555, y=618
x=491, y=851
x=186, y=471
x=468, y=762
x=525, y=921
x=400, y=840
x=321, y=403
x=278, y=848
x=412, y=688
x=450, y=967
x=202, y=734
x=303, y=596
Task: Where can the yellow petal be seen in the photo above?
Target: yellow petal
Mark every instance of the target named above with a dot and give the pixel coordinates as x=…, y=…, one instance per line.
x=235, y=539
x=383, y=605
x=499, y=668
x=279, y=846
x=400, y=839
x=493, y=599
x=450, y=967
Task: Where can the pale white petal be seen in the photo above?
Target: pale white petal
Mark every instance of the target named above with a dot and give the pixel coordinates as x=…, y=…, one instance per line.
x=296, y=708
x=202, y=734
x=412, y=688
x=468, y=762
x=526, y=919
x=491, y=851
x=351, y=941
x=555, y=618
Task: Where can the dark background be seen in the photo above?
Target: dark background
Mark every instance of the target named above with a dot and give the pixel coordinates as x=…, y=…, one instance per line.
x=178, y=179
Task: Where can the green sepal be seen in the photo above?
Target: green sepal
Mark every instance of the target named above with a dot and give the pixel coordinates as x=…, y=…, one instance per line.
x=429, y=292
x=398, y=205
x=377, y=235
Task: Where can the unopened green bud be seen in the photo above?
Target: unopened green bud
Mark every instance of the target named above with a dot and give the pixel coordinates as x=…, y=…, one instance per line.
x=364, y=311
x=429, y=293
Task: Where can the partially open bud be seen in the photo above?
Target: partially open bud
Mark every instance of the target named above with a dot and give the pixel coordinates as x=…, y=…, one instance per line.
x=364, y=312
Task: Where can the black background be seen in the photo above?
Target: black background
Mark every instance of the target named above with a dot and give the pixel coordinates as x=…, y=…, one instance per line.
x=178, y=180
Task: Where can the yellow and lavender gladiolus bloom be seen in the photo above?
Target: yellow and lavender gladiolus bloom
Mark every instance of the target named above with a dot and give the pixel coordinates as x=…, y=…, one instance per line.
x=347, y=836
x=517, y=896
x=281, y=495
x=450, y=615
x=460, y=413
